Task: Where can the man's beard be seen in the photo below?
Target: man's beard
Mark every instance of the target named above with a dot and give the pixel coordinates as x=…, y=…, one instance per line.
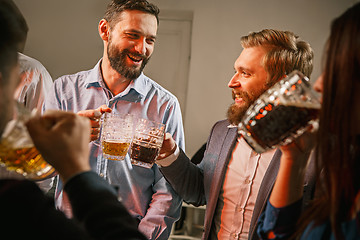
x=118, y=62
x=235, y=112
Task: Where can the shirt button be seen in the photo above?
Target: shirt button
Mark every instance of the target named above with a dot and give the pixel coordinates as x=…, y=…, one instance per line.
x=247, y=181
x=239, y=209
x=101, y=175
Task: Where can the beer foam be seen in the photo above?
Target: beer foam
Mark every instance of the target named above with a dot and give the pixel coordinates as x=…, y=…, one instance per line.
x=9, y=126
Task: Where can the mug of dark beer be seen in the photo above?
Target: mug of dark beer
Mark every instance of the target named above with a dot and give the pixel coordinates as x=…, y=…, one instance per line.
x=281, y=114
x=147, y=142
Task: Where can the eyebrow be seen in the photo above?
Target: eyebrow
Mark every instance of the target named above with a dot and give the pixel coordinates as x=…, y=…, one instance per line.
x=139, y=32
x=246, y=69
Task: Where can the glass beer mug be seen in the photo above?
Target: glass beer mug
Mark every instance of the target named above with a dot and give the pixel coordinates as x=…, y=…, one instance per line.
x=17, y=151
x=281, y=114
x=147, y=142
x=116, y=135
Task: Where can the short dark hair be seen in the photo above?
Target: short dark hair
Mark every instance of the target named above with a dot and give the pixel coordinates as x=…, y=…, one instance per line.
x=23, y=27
x=117, y=6
x=10, y=37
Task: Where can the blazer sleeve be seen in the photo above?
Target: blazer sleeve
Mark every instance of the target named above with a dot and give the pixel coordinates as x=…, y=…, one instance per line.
x=187, y=179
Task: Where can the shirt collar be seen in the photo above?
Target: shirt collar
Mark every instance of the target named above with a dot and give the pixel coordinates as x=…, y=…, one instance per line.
x=232, y=126
x=95, y=79
x=140, y=86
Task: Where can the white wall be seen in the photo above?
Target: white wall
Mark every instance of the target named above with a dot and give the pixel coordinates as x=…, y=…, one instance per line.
x=63, y=36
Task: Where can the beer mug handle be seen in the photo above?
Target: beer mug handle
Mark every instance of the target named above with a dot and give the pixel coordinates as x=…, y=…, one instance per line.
x=15, y=130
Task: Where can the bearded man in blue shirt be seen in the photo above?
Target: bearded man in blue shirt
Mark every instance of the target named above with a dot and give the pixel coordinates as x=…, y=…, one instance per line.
x=117, y=84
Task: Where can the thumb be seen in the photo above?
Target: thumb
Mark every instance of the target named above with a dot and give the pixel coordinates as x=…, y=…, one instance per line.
x=103, y=109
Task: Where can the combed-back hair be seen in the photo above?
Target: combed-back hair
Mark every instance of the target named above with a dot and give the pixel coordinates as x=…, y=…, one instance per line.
x=286, y=52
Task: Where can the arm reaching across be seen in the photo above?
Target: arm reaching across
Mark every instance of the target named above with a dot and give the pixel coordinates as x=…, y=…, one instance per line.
x=62, y=138
x=169, y=151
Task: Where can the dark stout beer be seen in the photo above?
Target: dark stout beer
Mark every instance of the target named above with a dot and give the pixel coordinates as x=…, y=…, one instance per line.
x=278, y=123
x=144, y=153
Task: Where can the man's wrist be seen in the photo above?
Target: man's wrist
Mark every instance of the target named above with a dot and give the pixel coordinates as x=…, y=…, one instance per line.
x=167, y=161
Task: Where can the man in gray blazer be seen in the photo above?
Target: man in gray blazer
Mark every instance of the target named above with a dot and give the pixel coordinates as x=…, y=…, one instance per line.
x=232, y=180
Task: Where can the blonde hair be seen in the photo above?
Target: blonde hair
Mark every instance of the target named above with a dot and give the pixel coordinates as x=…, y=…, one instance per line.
x=286, y=52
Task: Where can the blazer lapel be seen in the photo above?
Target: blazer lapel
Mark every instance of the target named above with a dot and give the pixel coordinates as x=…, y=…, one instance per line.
x=225, y=151
x=226, y=144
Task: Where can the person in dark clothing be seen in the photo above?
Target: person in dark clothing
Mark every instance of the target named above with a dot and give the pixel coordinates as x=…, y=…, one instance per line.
x=62, y=139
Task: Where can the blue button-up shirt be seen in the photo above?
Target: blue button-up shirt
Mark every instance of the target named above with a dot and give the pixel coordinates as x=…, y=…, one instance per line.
x=144, y=192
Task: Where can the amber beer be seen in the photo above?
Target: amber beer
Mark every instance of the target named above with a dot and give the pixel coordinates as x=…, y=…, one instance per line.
x=280, y=122
x=17, y=151
x=115, y=150
x=26, y=161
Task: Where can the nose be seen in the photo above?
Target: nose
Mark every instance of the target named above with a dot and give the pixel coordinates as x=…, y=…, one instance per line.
x=140, y=46
x=234, y=82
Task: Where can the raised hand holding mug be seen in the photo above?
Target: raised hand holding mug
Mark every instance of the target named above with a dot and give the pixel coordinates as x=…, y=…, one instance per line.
x=281, y=114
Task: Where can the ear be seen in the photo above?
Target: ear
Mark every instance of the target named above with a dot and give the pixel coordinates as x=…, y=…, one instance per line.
x=104, y=29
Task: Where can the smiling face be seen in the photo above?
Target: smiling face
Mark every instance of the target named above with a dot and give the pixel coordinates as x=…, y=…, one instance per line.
x=248, y=83
x=131, y=43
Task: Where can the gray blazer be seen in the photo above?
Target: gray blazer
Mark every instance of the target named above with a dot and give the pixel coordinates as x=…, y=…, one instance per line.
x=201, y=184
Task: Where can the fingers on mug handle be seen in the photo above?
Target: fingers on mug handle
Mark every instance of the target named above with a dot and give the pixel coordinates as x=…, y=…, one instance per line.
x=103, y=109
